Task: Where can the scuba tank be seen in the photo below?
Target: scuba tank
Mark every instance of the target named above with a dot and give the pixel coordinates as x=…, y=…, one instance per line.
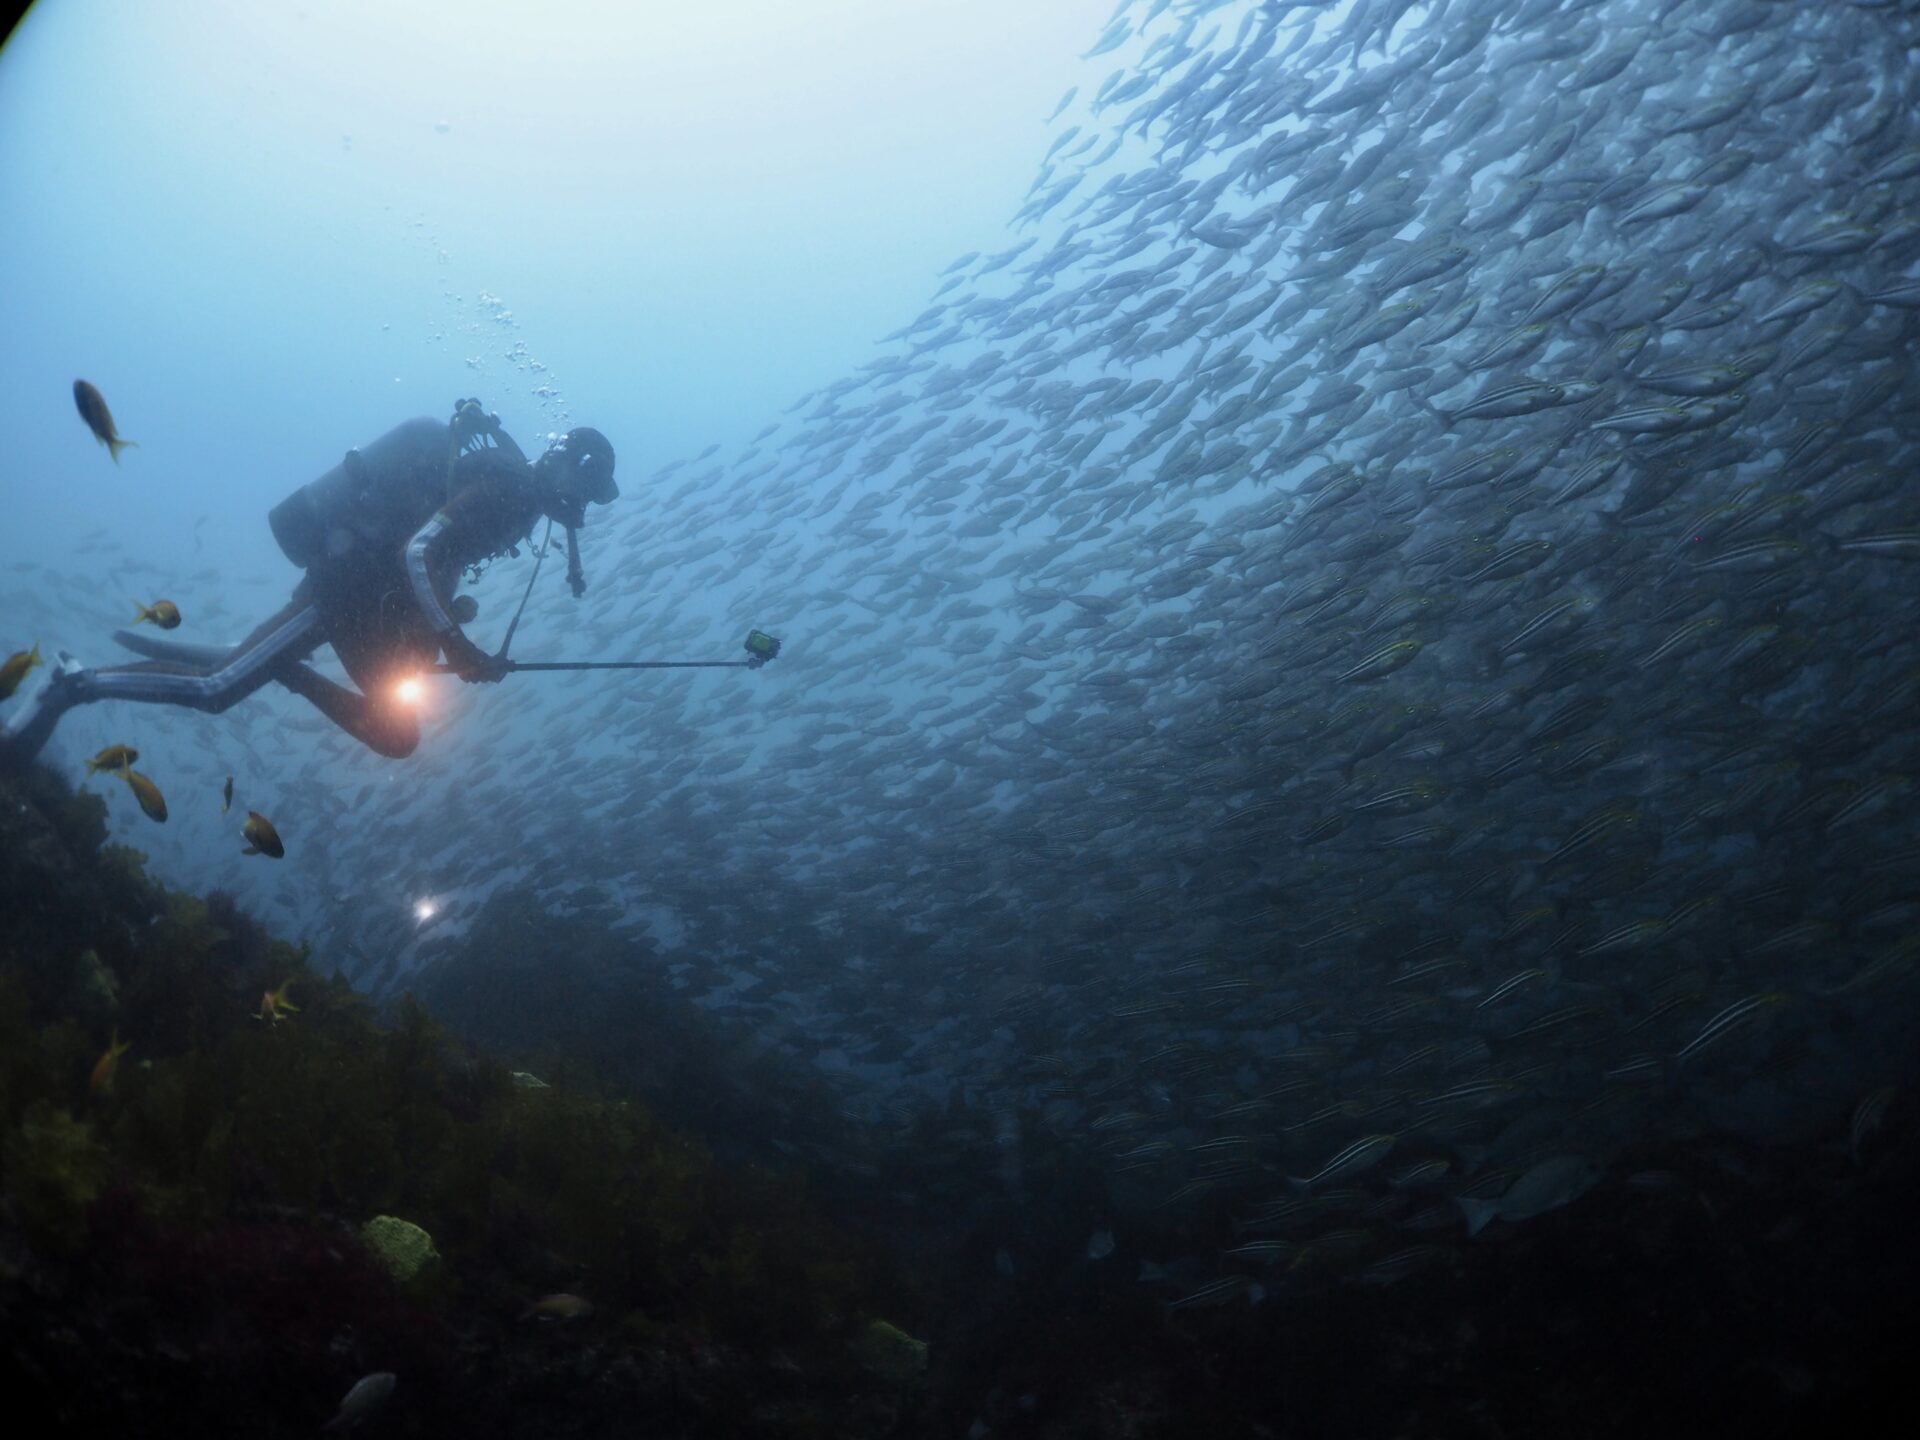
x=375, y=498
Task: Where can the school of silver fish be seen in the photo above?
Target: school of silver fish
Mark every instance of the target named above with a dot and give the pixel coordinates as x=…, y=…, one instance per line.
x=1365, y=664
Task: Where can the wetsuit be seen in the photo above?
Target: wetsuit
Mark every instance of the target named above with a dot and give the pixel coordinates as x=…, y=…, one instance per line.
x=377, y=589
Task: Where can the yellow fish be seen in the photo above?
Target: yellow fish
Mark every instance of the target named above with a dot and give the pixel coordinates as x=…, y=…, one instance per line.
x=559, y=1307
x=114, y=757
x=147, y=793
x=101, y=1081
x=262, y=838
x=16, y=668
x=274, y=1005
x=163, y=613
x=93, y=409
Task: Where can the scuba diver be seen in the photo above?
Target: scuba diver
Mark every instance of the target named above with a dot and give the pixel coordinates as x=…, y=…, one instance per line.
x=383, y=537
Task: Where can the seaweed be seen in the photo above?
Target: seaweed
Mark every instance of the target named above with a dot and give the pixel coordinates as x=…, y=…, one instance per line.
x=54, y=1170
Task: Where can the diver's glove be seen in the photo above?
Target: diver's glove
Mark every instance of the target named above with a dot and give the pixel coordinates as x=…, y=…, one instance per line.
x=471, y=663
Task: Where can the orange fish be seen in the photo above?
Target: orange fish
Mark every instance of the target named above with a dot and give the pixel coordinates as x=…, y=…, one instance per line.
x=163, y=613
x=114, y=757
x=93, y=409
x=101, y=1082
x=15, y=669
x=262, y=838
x=147, y=793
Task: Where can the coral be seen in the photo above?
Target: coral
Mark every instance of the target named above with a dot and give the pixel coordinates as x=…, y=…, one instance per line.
x=400, y=1245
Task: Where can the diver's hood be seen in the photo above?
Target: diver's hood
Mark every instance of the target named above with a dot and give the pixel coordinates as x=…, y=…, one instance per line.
x=580, y=465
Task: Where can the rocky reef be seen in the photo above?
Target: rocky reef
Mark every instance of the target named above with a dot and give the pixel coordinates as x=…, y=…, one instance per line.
x=216, y=1214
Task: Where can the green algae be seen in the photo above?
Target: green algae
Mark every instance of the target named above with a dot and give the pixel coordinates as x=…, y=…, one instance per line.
x=54, y=1170
x=403, y=1249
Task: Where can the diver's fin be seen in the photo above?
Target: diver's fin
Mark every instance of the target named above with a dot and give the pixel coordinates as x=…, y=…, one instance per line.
x=154, y=648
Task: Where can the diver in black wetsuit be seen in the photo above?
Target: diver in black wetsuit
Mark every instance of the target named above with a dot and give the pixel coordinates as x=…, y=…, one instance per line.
x=383, y=537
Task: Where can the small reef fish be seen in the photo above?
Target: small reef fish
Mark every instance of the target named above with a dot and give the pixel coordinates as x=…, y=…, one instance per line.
x=262, y=838
x=93, y=409
x=101, y=1081
x=558, y=1307
x=16, y=668
x=147, y=793
x=163, y=613
x=368, y=1394
x=114, y=757
x=226, y=796
x=274, y=1005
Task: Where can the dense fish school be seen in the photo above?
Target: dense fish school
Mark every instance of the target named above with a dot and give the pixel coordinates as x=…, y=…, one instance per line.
x=1363, y=664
